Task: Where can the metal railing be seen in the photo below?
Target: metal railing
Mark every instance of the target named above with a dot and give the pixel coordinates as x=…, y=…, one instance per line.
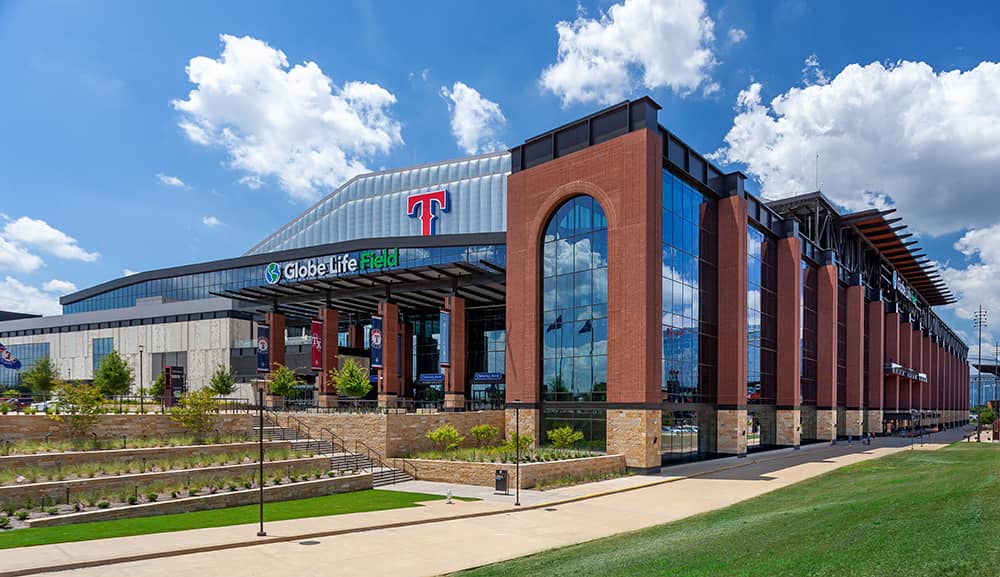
x=397, y=462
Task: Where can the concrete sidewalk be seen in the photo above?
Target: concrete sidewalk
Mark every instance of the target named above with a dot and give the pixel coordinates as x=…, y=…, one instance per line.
x=441, y=543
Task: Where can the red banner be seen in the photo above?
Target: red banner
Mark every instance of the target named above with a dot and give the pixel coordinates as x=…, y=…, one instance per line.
x=316, y=331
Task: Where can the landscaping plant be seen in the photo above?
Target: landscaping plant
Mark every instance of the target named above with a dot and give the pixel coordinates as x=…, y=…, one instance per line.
x=445, y=438
x=223, y=381
x=283, y=381
x=564, y=437
x=196, y=412
x=351, y=380
x=113, y=375
x=485, y=435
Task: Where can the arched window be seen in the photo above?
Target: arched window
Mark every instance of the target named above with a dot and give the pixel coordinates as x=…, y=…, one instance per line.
x=575, y=303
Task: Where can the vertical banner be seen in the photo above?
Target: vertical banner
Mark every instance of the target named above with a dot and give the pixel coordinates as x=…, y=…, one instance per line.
x=263, y=349
x=375, y=342
x=7, y=359
x=444, y=339
x=316, y=338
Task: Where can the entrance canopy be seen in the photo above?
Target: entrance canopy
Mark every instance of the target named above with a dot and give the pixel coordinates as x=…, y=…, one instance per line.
x=482, y=283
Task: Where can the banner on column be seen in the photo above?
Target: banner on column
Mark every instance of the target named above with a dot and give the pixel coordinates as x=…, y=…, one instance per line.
x=444, y=340
x=263, y=349
x=375, y=342
x=316, y=338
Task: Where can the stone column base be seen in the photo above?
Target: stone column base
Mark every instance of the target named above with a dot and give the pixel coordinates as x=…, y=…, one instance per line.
x=873, y=421
x=530, y=423
x=826, y=424
x=635, y=433
x=327, y=400
x=274, y=401
x=808, y=421
x=454, y=401
x=387, y=401
x=732, y=432
x=789, y=432
x=854, y=422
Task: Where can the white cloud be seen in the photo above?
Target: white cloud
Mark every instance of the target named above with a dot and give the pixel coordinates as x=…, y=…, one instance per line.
x=976, y=284
x=129, y=272
x=599, y=59
x=18, y=297
x=252, y=181
x=475, y=121
x=292, y=123
x=59, y=286
x=813, y=73
x=737, y=35
x=210, y=221
x=38, y=233
x=904, y=135
x=16, y=258
x=170, y=180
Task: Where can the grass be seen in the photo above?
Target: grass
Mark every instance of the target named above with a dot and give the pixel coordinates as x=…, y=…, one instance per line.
x=933, y=513
x=338, y=504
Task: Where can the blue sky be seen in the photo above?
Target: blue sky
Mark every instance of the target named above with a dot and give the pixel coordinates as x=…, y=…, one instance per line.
x=95, y=148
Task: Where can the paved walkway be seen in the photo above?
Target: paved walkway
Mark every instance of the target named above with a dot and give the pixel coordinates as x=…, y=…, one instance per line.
x=388, y=543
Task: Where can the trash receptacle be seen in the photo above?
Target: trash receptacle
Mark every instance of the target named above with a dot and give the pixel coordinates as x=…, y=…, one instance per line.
x=501, y=481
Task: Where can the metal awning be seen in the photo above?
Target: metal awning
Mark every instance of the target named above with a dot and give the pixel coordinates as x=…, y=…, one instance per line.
x=904, y=256
x=423, y=287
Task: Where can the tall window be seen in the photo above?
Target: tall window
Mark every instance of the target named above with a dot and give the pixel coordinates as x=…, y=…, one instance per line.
x=808, y=344
x=762, y=327
x=102, y=348
x=575, y=303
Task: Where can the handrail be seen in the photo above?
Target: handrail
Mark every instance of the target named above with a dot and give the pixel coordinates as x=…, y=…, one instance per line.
x=382, y=460
x=335, y=439
x=299, y=425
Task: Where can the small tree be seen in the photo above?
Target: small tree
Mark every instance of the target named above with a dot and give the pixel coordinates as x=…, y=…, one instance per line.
x=113, y=376
x=283, y=381
x=223, y=381
x=84, y=405
x=987, y=415
x=485, y=435
x=445, y=438
x=351, y=380
x=195, y=411
x=42, y=377
x=564, y=437
x=158, y=385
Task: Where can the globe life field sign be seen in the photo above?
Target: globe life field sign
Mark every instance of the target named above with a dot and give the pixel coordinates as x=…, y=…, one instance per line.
x=335, y=265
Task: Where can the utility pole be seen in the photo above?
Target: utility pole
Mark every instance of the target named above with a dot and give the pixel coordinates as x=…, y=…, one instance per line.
x=979, y=321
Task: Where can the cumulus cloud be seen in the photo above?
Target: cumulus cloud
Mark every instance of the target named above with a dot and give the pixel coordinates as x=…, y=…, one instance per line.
x=976, y=283
x=129, y=272
x=655, y=43
x=292, y=124
x=210, y=221
x=16, y=258
x=39, y=234
x=18, y=297
x=813, y=73
x=59, y=286
x=252, y=181
x=475, y=121
x=901, y=135
x=737, y=35
x=170, y=180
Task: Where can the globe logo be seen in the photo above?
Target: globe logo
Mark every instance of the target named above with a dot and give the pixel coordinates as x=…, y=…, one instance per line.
x=272, y=274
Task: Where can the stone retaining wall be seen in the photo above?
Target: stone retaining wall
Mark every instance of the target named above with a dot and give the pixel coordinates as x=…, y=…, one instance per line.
x=35, y=427
x=51, y=460
x=483, y=474
x=305, y=489
x=56, y=490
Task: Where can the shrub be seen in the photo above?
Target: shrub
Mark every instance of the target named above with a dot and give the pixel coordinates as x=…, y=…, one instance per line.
x=485, y=435
x=4, y=408
x=247, y=484
x=103, y=505
x=173, y=494
x=152, y=497
x=85, y=403
x=564, y=437
x=22, y=515
x=52, y=510
x=232, y=487
x=523, y=441
x=445, y=438
x=196, y=412
x=4, y=522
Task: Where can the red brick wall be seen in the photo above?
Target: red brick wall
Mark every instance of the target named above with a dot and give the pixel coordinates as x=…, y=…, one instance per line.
x=732, y=302
x=789, y=321
x=855, y=346
x=875, y=392
x=826, y=337
x=625, y=176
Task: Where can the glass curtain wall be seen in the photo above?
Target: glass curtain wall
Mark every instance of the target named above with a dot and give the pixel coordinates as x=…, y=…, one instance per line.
x=808, y=363
x=102, y=348
x=575, y=317
x=762, y=326
x=28, y=354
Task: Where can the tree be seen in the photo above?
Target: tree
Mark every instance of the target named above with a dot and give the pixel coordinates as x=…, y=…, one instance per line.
x=987, y=415
x=158, y=384
x=283, y=381
x=223, y=381
x=195, y=411
x=351, y=380
x=564, y=437
x=113, y=376
x=84, y=405
x=41, y=377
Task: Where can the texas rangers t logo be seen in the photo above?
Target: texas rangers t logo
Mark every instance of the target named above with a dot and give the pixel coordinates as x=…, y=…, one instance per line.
x=422, y=206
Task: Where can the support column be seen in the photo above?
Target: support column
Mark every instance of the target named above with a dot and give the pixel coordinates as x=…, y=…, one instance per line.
x=892, y=327
x=389, y=373
x=356, y=336
x=456, y=374
x=406, y=384
x=789, y=338
x=328, y=394
x=826, y=348
x=874, y=387
x=731, y=388
x=925, y=367
x=906, y=359
x=854, y=403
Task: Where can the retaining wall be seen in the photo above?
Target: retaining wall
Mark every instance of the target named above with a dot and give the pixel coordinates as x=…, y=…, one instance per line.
x=51, y=460
x=35, y=427
x=484, y=474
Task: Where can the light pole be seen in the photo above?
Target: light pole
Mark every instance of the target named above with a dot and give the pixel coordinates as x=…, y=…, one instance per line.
x=517, y=453
x=260, y=456
x=142, y=406
x=979, y=321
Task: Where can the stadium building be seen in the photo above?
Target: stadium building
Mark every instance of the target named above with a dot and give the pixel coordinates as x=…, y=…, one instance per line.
x=603, y=274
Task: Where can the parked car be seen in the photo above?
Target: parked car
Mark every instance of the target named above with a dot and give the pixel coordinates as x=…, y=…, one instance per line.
x=43, y=406
x=17, y=404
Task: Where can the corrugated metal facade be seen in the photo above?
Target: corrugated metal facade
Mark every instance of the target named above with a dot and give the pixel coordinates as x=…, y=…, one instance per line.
x=374, y=205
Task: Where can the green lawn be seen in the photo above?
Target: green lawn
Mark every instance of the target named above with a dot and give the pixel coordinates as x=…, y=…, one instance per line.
x=934, y=513
x=313, y=507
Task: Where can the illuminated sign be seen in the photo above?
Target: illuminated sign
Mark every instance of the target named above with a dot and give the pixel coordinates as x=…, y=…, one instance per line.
x=422, y=206
x=332, y=266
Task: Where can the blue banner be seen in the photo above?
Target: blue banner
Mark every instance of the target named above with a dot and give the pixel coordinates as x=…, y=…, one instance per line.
x=444, y=340
x=7, y=359
x=430, y=378
x=263, y=349
x=375, y=342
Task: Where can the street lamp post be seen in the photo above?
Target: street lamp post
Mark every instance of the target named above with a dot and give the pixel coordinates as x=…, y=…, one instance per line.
x=260, y=457
x=142, y=406
x=979, y=320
